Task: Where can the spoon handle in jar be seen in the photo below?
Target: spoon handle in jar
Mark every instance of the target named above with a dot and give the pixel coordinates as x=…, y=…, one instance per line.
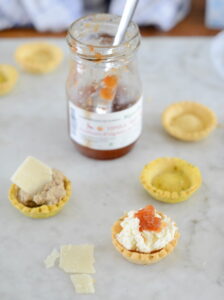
x=127, y=15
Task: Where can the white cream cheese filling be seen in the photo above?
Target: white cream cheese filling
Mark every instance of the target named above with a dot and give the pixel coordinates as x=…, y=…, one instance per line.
x=145, y=241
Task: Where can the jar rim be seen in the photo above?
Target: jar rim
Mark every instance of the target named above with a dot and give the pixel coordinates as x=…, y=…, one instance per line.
x=103, y=15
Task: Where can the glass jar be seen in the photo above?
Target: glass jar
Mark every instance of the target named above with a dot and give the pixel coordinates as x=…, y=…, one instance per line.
x=103, y=87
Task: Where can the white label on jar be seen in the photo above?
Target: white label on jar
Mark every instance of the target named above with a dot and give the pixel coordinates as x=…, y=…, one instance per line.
x=105, y=131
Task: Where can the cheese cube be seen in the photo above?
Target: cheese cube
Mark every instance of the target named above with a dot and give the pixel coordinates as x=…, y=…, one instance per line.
x=83, y=283
x=77, y=258
x=32, y=175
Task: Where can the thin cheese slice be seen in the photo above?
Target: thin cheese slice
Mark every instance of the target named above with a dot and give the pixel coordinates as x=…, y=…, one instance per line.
x=83, y=283
x=77, y=258
x=51, y=259
x=32, y=175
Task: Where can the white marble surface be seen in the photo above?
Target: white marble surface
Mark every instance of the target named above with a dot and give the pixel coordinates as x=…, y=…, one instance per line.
x=33, y=122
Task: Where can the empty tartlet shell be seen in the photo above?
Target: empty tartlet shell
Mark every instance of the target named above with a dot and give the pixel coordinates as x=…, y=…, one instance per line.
x=43, y=211
x=206, y=116
x=25, y=52
x=142, y=258
x=155, y=168
x=11, y=75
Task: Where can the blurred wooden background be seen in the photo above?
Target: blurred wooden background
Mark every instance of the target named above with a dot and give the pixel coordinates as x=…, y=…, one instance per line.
x=192, y=25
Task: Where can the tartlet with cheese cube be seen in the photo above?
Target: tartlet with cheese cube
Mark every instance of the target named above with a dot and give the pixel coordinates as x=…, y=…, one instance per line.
x=37, y=190
x=145, y=236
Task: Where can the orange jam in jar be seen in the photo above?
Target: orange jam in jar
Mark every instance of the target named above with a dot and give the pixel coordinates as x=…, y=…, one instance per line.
x=103, y=87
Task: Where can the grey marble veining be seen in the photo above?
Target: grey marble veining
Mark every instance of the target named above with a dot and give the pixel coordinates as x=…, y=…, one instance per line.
x=33, y=122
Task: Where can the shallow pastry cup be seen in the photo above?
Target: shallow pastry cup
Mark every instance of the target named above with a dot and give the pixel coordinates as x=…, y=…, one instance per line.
x=188, y=121
x=43, y=211
x=170, y=179
x=8, y=78
x=142, y=258
x=38, y=57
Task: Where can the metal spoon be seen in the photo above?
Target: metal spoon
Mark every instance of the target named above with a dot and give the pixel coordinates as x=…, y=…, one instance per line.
x=128, y=12
x=127, y=15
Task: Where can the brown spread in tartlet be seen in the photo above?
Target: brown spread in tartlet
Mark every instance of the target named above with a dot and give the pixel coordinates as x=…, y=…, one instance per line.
x=51, y=194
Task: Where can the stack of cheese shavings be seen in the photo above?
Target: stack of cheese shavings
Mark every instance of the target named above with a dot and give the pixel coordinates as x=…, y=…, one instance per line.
x=76, y=259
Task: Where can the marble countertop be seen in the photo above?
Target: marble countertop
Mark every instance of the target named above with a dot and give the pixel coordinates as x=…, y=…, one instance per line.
x=33, y=122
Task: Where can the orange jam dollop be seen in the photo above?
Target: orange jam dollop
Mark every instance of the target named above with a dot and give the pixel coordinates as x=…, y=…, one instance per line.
x=148, y=220
x=106, y=93
x=109, y=89
x=110, y=81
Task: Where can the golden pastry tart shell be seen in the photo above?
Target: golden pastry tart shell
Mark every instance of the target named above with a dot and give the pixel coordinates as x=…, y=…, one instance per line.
x=137, y=257
x=11, y=75
x=193, y=112
x=170, y=164
x=43, y=211
x=27, y=57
